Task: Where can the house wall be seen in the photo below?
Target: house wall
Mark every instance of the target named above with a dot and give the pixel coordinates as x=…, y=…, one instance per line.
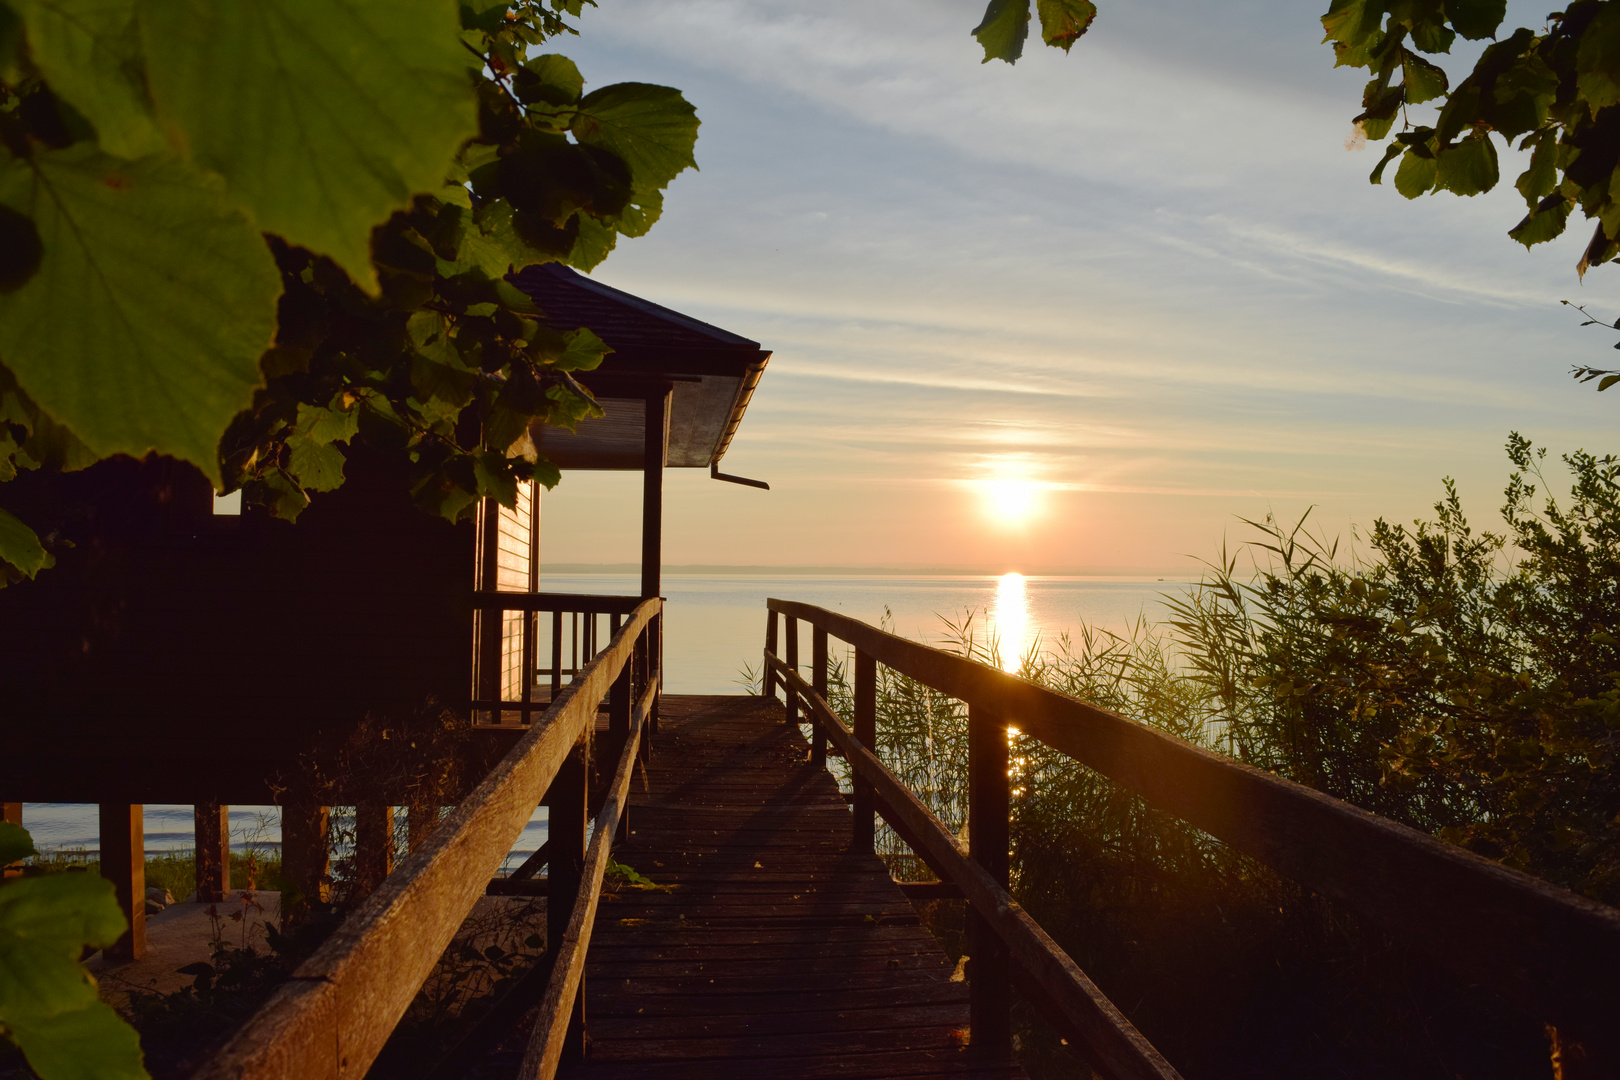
x=214, y=650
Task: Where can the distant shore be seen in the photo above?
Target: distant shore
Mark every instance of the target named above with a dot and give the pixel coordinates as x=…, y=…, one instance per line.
x=1156, y=573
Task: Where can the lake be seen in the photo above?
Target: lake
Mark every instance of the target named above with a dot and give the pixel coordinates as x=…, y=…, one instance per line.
x=715, y=626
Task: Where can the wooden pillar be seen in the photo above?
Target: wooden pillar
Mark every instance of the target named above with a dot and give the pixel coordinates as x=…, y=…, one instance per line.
x=373, y=845
x=123, y=862
x=654, y=456
x=489, y=621
x=419, y=821
x=566, y=816
x=818, y=675
x=11, y=814
x=866, y=735
x=212, y=839
x=769, y=674
x=793, y=663
x=990, y=975
x=556, y=654
x=304, y=857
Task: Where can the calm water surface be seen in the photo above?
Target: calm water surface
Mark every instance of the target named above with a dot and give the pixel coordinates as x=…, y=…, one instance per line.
x=716, y=626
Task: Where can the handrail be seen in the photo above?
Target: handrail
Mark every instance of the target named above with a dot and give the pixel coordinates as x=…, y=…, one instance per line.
x=588, y=603
x=1557, y=951
x=333, y=1015
x=1112, y=1039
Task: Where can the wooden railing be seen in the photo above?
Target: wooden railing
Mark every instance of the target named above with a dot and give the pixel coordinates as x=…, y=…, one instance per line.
x=1555, y=952
x=333, y=1015
x=576, y=618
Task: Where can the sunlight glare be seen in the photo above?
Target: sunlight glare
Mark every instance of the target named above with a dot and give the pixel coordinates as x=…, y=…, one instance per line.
x=1012, y=501
x=1009, y=621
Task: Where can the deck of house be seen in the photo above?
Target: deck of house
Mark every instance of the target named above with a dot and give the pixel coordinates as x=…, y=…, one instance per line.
x=768, y=944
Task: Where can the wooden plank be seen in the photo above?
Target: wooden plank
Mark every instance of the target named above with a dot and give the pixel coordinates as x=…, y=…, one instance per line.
x=1066, y=995
x=1554, y=950
x=370, y=968
x=498, y=600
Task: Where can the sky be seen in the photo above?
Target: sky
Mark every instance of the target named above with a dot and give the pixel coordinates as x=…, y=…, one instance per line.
x=1085, y=312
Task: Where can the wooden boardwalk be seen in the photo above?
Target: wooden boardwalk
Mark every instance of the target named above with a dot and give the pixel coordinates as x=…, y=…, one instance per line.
x=779, y=951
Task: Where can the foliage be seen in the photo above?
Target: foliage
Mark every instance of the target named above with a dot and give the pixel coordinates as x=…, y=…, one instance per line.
x=1435, y=683
x=1551, y=90
x=246, y=236
x=48, y=1003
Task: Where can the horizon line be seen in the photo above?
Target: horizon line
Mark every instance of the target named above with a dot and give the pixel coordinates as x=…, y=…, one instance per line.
x=1160, y=573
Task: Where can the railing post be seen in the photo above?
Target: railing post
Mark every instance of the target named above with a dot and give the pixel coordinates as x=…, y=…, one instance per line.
x=305, y=859
x=373, y=845
x=619, y=733
x=866, y=734
x=793, y=664
x=769, y=675
x=655, y=667
x=989, y=973
x=566, y=816
x=212, y=839
x=556, y=654
x=818, y=675
x=123, y=862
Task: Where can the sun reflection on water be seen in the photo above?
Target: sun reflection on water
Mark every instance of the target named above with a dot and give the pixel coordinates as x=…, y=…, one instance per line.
x=1010, y=625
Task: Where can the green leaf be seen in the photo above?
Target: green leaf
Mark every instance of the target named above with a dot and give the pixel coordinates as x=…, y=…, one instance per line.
x=1416, y=175
x=644, y=210
x=1433, y=37
x=651, y=128
x=593, y=244
x=1063, y=22
x=20, y=547
x=92, y=1043
x=143, y=328
x=551, y=79
x=584, y=351
x=1469, y=167
x=1390, y=153
x=494, y=478
x=1608, y=381
x=44, y=923
x=1476, y=19
x=546, y=473
x=1538, y=181
x=1003, y=29
x=1424, y=81
x=317, y=466
x=1545, y=222
x=323, y=116
x=1597, y=61
x=327, y=425
x=89, y=51
x=15, y=842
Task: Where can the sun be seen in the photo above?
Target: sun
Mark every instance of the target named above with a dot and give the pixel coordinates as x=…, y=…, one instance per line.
x=1012, y=501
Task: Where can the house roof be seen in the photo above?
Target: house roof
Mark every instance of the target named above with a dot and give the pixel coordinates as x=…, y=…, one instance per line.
x=711, y=371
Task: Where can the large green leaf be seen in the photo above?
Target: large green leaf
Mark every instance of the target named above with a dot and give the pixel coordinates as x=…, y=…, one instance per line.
x=1415, y=176
x=1597, y=62
x=1476, y=19
x=143, y=328
x=324, y=116
x=90, y=53
x=20, y=547
x=91, y=1043
x=1469, y=167
x=1003, y=29
x=44, y=921
x=652, y=128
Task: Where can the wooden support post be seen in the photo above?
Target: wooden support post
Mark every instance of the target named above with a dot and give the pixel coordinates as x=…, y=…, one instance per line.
x=304, y=857
x=566, y=818
x=865, y=732
x=490, y=621
x=419, y=821
x=556, y=654
x=619, y=702
x=818, y=679
x=123, y=862
x=373, y=845
x=792, y=659
x=11, y=814
x=989, y=972
x=769, y=675
x=654, y=456
x=212, y=839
